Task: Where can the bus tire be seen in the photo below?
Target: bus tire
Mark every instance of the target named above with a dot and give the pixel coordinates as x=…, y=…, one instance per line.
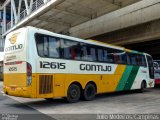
x=73, y=93
x=89, y=92
x=49, y=99
x=143, y=87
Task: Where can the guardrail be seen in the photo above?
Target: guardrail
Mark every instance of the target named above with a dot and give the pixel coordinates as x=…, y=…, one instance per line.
x=35, y=6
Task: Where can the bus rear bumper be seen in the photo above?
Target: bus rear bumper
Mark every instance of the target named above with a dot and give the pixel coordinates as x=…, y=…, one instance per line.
x=18, y=91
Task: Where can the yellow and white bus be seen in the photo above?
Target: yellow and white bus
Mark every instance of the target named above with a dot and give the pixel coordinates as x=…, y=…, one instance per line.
x=42, y=64
x=1, y=65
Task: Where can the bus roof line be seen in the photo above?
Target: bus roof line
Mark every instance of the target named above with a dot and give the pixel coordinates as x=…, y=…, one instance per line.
x=105, y=43
x=79, y=39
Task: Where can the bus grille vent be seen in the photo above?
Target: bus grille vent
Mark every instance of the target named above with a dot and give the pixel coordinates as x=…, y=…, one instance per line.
x=45, y=84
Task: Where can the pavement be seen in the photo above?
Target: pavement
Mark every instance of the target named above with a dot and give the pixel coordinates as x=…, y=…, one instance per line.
x=112, y=103
x=12, y=109
x=1, y=84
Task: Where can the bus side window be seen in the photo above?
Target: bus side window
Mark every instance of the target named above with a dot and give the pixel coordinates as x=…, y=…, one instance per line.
x=70, y=49
x=136, y=59
x=88, y=52
x=45, y=47
x=128, y=60
x=84, y=53
x=54, y=47
x=105, y=55
x=131, y=59
x=122, y=57
x=40, y=44
x=93, y=54
x=110, y=55
x=141, y=60
x=150, y=66
x=100, y=55
x=116, y=58
x=75, y=53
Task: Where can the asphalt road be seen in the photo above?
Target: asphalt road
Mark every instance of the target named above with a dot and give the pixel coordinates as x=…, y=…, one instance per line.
x=112, y=103
x=12, y=109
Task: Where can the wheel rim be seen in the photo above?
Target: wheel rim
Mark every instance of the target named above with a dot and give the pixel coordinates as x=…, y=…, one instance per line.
x=90, y=92
x=74, y=93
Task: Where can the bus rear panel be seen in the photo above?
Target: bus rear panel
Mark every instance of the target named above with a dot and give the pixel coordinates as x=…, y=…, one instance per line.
x=15, y=64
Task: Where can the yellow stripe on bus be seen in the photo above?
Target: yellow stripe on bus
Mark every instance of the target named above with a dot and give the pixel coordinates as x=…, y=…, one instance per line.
x=105, y=43
x=113, y=80
x=61, y=82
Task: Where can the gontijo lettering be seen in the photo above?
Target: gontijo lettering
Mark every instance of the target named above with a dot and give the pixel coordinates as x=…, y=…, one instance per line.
x=91, y=67
x=13, y=48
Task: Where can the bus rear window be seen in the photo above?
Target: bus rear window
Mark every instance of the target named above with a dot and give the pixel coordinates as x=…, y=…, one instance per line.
x=47, y=46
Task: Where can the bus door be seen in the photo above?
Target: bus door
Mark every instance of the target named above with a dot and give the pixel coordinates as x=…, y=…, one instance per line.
x=150, y=67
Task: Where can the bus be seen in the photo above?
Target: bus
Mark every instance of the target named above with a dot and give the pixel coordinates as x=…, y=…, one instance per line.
x=43, y=64
x=1, y=65
x=156, y=64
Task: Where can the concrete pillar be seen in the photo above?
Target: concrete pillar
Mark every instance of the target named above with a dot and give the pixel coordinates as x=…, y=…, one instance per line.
x=149, y=31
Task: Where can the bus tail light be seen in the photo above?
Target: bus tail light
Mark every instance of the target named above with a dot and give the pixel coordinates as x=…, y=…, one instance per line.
x=14, y=63
x=29, y=74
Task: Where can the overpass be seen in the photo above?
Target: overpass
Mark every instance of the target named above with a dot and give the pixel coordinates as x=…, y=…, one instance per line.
x=56, y=15
x=122, y=22
x=135, y=23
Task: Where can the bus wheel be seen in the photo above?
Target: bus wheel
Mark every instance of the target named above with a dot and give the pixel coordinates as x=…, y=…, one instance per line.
x=73, y=94
x=89, y=92
x=49, y=99
x=143, y=86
